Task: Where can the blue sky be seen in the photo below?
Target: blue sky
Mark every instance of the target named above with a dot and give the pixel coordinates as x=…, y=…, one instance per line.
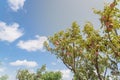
x=26, y=24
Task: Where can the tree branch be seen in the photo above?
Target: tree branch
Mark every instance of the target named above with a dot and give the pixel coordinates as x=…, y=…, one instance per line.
x=74, y=56
x=97, y=68
x=105, y=73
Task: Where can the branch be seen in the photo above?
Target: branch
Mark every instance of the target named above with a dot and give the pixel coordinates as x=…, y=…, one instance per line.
x=63, y=59
x=116, y=32
x=106, y=67
x=67, y=65
x=97, y=68
x=112, y=43
x=74, y=56
x=105, y=73
x=72, y=69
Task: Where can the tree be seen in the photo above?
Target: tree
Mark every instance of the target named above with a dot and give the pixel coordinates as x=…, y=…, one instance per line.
x=25, y=75
x=41, y=74
x=5, y=77
x=51, y=76
x=91, y=54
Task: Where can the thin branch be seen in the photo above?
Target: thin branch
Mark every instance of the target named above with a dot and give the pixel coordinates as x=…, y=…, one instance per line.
x=112, y=43
x=105, y=73
x=97, y=68
x=67, y=65
x=116, y=32
x=74, y=56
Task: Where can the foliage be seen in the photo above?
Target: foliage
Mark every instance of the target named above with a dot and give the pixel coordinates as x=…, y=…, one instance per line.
x=51, y=76
x=91, y=54
x=41, y=74
x=5, y=77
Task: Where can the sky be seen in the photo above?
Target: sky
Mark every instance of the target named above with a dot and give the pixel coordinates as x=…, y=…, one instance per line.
x=26, y=24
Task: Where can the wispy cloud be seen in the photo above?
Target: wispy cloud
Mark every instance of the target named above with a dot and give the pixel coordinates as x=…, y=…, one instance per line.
x=10, y=32
x=33, y=45
x=15, y=5
x=66, y=73
x=57, y=62
x=2, y=69
x=53, y=63
x=24, y=63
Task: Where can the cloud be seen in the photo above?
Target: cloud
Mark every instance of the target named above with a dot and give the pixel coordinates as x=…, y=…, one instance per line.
x=15, y=5
x=33, y=45
x=67, y=75
x=58, y=62
x=24, y=63
x=10, y=32
x=2, y=69
x=53, y=63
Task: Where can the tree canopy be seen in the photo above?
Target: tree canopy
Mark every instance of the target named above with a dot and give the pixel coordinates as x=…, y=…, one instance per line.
x=41, y=74
x=89, y=53
x=5, y=77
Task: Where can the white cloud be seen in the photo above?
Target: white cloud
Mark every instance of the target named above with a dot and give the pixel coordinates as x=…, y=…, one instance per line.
x=56, y=62
x=53, y=63
x=15, y=5
x=12, y=77
x=33, y=45
x=9, y=32
x=2, y=69
x=24, y=63
x=67, y=75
